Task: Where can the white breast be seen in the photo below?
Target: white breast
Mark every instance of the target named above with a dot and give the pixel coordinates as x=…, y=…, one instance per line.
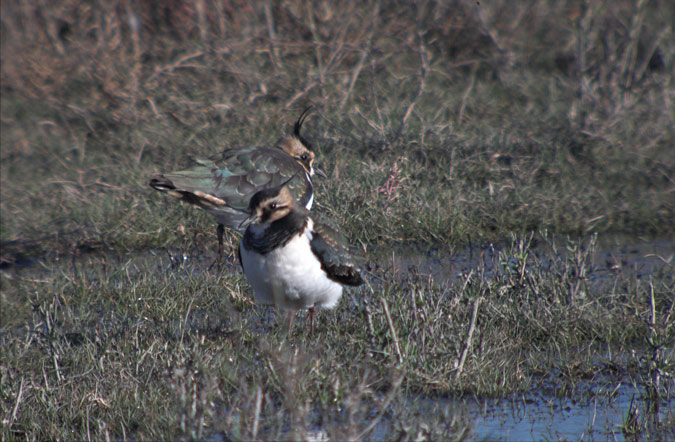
x=290, y=276
x=308, y=206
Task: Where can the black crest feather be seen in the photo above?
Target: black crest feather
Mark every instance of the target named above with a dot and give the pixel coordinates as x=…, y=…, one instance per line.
x=298, y=125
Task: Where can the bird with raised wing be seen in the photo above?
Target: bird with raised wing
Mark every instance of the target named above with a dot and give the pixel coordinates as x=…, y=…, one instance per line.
x=223, y=185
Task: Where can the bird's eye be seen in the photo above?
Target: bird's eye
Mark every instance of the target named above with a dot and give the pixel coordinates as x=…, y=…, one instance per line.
x=304, y=157
x=273, y=206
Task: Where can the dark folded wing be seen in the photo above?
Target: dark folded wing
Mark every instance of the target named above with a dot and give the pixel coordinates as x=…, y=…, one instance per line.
x=332, y=250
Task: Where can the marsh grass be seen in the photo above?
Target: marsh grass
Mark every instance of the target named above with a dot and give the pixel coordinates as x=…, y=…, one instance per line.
x=154, y=347
x=439, y=124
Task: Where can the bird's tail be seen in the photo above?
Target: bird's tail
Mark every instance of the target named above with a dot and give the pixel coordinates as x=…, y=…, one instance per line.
x=191, y=196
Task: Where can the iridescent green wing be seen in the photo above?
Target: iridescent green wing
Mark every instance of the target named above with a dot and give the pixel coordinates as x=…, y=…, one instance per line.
x=235, y=175
x=239, y=175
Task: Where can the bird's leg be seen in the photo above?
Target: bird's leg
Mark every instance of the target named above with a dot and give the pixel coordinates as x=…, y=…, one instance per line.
x=289, y=322
x=220, y=231
x=312, y=312
x=219, y=259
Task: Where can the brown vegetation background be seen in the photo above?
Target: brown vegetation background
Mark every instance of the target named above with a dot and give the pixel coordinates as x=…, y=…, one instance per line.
x=485, y=116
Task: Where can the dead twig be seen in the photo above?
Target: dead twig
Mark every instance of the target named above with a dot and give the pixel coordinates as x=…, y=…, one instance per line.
x=16, y=405
x=177, y=64
x=467, y=92
x=310, y=85
x=467, y=346
x=355, y=75
x=316, y=43
x=394, y=336
x=256, y=418
x=272, y=33
x=362, y=58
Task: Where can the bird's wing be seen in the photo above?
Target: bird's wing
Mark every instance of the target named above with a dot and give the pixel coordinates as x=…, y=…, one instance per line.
x=331, y=247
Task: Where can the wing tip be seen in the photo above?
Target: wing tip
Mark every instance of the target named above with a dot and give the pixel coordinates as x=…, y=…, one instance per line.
x=161, y=183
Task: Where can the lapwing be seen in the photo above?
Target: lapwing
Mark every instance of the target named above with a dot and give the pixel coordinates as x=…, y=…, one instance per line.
x=223, y=185
x=294, y=259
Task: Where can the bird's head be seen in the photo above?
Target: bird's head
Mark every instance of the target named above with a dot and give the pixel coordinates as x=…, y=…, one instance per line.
x=299, y=147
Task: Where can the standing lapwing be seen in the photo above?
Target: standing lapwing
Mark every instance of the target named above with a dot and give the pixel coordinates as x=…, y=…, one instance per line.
x=294, y=259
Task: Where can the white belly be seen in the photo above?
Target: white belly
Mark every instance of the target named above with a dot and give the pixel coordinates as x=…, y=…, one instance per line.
x=290, y=277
